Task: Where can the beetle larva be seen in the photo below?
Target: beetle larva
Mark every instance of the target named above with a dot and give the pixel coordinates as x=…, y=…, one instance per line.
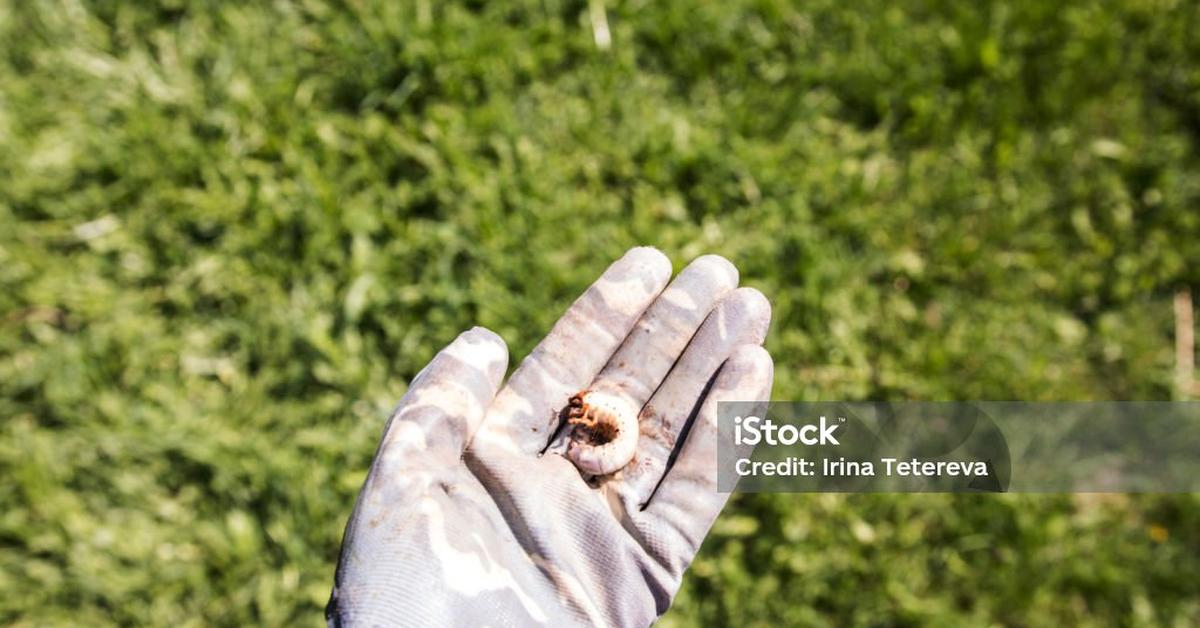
x=606, y=431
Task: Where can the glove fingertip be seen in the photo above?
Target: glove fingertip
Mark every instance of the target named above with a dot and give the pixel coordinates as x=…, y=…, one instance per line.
x=485, y=349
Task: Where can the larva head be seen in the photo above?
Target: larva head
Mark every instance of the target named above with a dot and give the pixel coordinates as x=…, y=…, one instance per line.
x=605, y=431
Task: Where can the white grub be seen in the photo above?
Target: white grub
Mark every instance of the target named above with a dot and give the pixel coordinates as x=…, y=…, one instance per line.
x=605, y=432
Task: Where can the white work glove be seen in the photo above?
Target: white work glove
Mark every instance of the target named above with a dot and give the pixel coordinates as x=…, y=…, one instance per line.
x=471, y=515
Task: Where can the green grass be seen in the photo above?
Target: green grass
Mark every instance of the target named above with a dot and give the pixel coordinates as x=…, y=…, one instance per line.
x=231, y=232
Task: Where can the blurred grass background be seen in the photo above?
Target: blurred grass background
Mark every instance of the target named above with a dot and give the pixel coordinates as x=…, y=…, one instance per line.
x=231, y=232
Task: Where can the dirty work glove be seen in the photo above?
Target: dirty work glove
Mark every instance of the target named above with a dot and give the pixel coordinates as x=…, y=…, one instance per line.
x=471, y=515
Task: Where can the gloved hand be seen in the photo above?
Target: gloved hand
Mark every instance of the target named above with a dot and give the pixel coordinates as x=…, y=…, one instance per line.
x=471, y=515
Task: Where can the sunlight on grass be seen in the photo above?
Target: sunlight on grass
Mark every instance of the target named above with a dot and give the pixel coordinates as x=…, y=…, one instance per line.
x=230, y=233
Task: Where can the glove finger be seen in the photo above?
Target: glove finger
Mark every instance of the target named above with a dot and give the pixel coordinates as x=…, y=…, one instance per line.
x=442, y=409
x=424, y=437
x=635, y=371
x=686, y=503
x=741, y=318
x=526, y=411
